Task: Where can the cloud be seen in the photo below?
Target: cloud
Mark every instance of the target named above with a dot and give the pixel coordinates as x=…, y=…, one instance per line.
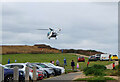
x=84, y=25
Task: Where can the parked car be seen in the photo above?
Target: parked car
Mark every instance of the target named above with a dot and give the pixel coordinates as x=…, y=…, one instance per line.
x=22, y=67
x=92, y=58
x=56, y=70
x=114, y=57
x=98, y=56
x=38, y=69
x=105, y=57
x=81, y=59
x=49, y=71
x=8, y=75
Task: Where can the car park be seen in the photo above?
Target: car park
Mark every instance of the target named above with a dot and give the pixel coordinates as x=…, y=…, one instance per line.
x=22, y=67
x=8, y=75
x=81, y=59
x=49, y=71
x=92, y=58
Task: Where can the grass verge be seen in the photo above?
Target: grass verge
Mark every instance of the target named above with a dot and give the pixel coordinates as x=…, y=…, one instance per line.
x=94, y=79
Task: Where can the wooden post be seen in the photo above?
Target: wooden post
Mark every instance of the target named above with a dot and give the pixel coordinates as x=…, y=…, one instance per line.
x=16, y=74
x=81, y=67
x=27, y=74
x=1, y=74
x=34, y=73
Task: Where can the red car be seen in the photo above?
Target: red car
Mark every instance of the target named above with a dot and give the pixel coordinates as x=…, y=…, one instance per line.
x=40, y=76
x=81, y=59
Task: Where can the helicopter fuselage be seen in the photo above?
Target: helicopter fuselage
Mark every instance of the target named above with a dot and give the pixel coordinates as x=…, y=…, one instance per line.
x=52, y=34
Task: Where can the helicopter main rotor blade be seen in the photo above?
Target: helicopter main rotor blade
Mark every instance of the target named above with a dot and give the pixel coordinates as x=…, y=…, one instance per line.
x=42, y=29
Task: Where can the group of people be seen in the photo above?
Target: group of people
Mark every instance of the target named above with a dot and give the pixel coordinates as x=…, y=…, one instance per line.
x=58, y=63
x=65, y=63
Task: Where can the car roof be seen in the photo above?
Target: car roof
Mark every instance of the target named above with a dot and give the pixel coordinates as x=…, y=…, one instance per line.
x=16, y=64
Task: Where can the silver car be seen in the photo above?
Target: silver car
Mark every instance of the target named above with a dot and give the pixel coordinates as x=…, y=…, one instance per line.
x=49, y=71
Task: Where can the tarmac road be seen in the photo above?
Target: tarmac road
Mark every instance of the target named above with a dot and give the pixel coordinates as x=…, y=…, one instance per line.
x=69, y=76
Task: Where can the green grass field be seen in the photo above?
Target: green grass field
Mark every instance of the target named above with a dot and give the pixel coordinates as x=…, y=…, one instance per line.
x=22, y=58
x=96, y=79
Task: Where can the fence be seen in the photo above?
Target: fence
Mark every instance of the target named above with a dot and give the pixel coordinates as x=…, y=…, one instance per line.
x=16, y=74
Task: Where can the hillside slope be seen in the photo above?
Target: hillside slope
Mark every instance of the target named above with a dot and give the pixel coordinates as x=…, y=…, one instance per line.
x=19, y=49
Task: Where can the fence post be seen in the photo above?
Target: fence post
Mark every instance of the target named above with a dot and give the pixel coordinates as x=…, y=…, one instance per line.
x=16, y=74
x=34, y=73
x=81, y=67
x=27, y=74
x=1, y=74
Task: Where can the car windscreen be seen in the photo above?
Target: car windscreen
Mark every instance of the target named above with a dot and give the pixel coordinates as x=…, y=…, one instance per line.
x=51, y=65
x=19, y=66
x=42, y=65
x=3, y=67
x=114, y=55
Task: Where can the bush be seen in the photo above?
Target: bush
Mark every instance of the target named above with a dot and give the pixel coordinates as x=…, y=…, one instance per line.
x=96, y=70
x=85, y=69
x=99, y=66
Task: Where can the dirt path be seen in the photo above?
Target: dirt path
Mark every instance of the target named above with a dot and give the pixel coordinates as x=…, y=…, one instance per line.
x=82, y=55
x=110, y=66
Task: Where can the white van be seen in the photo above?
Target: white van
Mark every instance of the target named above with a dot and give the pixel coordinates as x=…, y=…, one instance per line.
x=104, y=57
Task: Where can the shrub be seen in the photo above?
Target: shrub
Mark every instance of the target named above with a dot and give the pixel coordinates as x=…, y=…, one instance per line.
x=96, y=70
x=99, y=66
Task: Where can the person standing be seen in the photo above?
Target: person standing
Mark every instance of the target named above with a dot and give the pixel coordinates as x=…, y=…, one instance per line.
x=65, y=63
x=57, y=63
x=50, y=61
x=8, y=61
x=53, y=62
x=72, y=64
x=113, y=65
x=88, y=63
x=15, y=61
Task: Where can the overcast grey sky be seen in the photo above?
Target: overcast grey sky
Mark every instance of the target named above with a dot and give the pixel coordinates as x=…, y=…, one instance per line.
x=85, y=25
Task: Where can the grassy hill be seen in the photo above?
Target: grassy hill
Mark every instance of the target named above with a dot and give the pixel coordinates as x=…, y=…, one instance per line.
x=25, y=49
x=42, y=49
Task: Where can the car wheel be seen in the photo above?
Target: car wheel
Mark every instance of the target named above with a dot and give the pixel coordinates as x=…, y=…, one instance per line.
x=9, y=78
x=47, y=74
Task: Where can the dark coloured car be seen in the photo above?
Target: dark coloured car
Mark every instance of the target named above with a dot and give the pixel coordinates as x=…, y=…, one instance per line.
x=8, y=75
x=92, y=58
x=81, y=59
x=98, y=56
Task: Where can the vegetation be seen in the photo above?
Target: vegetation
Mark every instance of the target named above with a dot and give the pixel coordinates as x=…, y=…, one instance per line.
x=111, y=72
x=95, y=79
x=96, y=70
x=80, y=51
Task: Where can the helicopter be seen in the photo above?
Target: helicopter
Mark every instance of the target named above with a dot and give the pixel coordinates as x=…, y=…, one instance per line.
x=52, y=33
